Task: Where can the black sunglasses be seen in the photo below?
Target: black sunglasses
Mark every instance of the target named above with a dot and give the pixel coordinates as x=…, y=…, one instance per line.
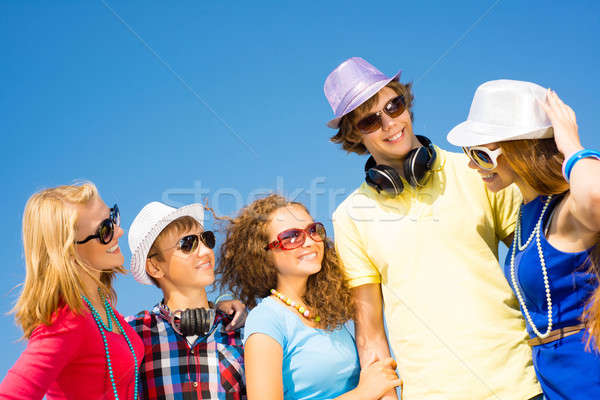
x=189, y=243
x=106, y=229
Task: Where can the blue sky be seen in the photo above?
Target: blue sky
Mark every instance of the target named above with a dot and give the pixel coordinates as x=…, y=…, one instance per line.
x=224, y=100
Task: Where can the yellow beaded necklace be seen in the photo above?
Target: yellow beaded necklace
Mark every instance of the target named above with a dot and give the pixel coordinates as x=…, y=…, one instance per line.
x=301, y=309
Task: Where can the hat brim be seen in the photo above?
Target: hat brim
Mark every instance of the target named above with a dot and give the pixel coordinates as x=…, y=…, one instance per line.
x=139, y=255
x=471, y=133
x=361, y=98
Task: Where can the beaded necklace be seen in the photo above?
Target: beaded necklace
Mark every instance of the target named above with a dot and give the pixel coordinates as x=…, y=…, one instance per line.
x=517, y=243
x=301, y=309
x=110, y=314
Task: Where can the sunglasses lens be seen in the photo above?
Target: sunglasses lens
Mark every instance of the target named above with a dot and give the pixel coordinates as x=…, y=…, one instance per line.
x=116, y=215
x=317, y=232
x=482, y=159
x=188, y=244
x=106, y=231
x=369, y=124
x=292, y=239
x=208, y=238
x=395, y=107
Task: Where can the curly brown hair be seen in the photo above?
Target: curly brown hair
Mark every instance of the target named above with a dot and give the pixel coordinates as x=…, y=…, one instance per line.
x=349, y=137
x=248, y=273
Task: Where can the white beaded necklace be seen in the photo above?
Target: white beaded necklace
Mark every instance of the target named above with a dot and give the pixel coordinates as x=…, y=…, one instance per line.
x=517, y=243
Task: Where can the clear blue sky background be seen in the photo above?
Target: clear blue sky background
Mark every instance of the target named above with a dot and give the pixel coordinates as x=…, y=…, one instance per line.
x=157, y=100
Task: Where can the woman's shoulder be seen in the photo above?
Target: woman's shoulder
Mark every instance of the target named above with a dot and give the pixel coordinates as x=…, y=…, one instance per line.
x=267, y=318
x=64, y=319
x=267, y=309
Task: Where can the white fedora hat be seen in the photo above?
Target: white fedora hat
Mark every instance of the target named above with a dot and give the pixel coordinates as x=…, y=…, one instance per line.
x=146, y=227
x=504, y=110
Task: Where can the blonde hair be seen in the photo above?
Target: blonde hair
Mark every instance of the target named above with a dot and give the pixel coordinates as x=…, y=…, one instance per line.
x=52, y=265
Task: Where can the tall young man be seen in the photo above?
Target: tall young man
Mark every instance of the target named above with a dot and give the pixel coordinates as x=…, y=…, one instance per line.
x=420, y=235
x=189, y=352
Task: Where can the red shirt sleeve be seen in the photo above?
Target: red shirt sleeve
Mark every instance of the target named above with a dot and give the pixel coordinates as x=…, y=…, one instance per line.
x=49, y=350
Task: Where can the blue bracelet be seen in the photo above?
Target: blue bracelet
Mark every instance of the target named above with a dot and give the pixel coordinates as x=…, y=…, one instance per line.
x=570, y=163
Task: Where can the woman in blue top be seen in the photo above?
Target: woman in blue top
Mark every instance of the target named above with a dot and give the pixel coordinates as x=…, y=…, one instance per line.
x=518, y=132
x=297, y=342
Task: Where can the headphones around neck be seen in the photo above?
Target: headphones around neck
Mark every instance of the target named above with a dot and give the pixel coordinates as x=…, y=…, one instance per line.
x=196, y=321
x=192, y=322
x=416, y=167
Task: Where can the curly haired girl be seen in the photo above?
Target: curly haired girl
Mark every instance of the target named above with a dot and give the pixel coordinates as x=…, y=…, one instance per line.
x=297, y=343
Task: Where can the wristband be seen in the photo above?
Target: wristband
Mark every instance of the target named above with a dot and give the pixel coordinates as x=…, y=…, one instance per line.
x=224, y=296
x=569, y=163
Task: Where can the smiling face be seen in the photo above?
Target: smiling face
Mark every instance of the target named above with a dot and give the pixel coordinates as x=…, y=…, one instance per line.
x=392, y=142
x=173, y=268
x=498, y=178
x=300, y=262
x=102, y=257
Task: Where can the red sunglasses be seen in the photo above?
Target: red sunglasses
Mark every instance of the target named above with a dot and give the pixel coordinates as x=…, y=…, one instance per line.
x=294, y=238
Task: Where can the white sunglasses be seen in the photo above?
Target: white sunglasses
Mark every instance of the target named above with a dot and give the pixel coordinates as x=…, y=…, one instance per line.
x=483, y=157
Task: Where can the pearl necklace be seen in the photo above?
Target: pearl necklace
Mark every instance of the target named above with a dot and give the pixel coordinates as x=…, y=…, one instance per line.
x=110, y=314
x=301, y=309
x=517, y=243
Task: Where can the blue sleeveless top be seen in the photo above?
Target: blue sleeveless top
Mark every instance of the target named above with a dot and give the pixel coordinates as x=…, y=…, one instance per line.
x=563, y=367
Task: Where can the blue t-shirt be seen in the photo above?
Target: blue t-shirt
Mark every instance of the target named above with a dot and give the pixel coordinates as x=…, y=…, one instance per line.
x=317, y=364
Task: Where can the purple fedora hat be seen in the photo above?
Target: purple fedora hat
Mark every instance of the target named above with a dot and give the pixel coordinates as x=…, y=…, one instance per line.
x=352, y=83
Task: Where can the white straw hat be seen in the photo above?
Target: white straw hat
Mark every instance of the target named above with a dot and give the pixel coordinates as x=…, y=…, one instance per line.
x=146, y=227
x=504, y=110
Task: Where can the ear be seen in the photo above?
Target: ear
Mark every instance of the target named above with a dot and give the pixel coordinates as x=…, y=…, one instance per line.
x=153, y=269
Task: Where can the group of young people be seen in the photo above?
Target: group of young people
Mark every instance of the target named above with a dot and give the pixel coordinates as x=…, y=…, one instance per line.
x=418, y=238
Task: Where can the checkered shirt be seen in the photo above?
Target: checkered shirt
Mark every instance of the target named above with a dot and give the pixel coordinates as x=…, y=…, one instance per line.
x=212, y=368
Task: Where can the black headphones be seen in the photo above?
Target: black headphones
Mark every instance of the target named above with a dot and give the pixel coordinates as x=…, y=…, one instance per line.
x=192, y=322
x=196, y=321
x=417, y=165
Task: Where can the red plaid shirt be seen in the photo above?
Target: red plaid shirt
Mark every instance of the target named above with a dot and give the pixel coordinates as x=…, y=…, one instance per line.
x=211, y=368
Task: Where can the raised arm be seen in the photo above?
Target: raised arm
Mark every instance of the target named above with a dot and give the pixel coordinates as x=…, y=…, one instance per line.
x=584, y=199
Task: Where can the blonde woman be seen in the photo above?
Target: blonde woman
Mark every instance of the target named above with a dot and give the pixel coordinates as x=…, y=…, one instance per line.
x=79, y=345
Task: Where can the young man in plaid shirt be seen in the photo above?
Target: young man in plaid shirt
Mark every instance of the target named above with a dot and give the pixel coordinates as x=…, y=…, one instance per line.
x=192, y=351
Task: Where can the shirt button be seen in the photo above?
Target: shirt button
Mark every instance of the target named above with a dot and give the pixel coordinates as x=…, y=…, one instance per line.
x=195, y=384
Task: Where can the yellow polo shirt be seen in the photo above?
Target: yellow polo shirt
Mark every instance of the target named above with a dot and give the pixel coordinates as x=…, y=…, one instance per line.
x=453, y=322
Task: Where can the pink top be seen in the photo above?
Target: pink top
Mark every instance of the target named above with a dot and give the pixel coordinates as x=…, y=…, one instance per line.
x=67, y=360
